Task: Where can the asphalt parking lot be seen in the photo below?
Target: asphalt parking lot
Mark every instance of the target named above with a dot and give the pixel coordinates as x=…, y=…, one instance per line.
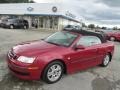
x=96, y=78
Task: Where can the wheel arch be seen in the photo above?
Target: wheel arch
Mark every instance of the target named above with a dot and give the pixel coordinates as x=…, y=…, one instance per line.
x=12, y=25
x=110, y=54
x=113, y=37
x=59, y=60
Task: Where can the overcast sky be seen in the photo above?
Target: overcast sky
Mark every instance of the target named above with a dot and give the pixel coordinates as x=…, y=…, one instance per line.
x=101, y=12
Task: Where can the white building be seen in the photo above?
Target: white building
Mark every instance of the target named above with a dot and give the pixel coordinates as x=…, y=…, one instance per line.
x=45, y=15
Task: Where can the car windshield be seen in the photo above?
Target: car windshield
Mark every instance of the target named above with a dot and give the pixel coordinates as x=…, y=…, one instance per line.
x=61, y=38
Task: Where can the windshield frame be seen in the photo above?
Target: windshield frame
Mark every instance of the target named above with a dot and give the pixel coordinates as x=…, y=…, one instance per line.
x=77, y=35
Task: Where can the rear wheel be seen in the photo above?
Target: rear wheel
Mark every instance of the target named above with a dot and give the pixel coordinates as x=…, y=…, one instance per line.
x=53, y=72
x=106, y=60
x=112, y=39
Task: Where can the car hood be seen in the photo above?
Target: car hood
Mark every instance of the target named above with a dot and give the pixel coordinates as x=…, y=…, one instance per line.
x=34, y=48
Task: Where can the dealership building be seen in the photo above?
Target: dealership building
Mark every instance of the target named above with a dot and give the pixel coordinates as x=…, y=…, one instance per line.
x=52, y=16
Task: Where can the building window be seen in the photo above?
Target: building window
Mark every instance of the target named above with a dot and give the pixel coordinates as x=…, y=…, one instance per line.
x=55, y=23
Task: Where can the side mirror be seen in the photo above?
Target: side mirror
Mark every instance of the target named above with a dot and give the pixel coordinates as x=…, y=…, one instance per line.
x=79, y=47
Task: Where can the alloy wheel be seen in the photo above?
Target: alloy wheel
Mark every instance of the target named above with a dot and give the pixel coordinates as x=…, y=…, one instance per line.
x=54, y=72
x=106, y=60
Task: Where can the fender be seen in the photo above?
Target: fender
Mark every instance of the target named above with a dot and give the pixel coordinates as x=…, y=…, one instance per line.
x=44, y=59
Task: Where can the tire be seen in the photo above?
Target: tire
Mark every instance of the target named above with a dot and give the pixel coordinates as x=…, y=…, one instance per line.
x=50, y=74
x=106, y=61
x=11, y=27
x=112, y=38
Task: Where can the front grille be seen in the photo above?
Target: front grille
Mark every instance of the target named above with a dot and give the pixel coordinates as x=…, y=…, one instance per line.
x=12, y=55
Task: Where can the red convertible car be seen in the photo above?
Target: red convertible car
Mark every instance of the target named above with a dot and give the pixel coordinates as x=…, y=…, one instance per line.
x=112, y=35
x=64, y=52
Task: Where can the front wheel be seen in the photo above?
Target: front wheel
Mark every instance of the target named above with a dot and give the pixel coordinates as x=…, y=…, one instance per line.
x=11, y=27
x=53, y=72
x=106, y=60
x=25, y=27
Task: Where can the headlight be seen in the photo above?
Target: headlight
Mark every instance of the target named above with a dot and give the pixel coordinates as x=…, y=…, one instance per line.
x=26, y=59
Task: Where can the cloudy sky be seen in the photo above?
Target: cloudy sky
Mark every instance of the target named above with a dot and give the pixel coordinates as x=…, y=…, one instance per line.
x=99, y=12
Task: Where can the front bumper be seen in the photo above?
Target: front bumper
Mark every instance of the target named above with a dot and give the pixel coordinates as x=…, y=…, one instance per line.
x=24, y=71
x=4, y=26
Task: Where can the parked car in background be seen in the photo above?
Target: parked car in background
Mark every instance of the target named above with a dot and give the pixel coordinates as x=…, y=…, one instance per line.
x=112, y=35
x=72, y=27
x=14, y=23
x=63, y=52
x=0, y=22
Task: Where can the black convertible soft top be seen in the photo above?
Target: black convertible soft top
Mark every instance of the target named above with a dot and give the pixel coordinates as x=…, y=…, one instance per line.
x=102, y=36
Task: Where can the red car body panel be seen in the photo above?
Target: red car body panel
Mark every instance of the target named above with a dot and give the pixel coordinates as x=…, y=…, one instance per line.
x=45, y=53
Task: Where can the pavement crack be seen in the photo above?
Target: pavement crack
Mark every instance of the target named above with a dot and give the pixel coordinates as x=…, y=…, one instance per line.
x=105, y=84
